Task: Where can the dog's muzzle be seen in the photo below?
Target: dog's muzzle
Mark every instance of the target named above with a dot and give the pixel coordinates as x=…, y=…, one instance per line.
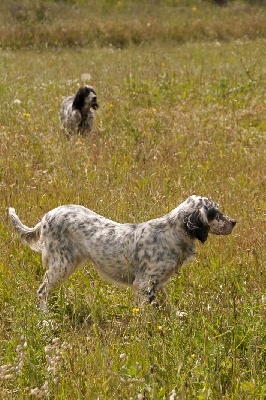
x=95, y=105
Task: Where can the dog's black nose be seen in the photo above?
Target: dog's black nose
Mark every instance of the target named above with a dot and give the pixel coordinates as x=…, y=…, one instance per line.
x=95, y=105
x=233, y=222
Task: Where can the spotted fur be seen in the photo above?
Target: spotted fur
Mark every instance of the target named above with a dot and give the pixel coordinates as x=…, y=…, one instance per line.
x=75, y=111
x=143, y=256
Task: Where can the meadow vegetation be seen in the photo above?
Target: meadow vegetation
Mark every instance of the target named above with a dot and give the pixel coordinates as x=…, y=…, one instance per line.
x=179, y=115
x=79, y=23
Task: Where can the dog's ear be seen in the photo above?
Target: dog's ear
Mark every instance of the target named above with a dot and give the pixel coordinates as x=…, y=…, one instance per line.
x=79, y=99
x=211, y=213
x=197, y=225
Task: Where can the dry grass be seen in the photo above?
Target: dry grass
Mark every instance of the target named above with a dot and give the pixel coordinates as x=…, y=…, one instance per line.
x=38, y=24
x=173, y=121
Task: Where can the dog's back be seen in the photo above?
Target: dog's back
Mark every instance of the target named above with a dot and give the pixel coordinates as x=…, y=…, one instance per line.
x=69, y=118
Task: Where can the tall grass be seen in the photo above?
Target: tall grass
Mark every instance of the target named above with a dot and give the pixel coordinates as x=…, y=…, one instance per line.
x=173, y=121
x=56, y=24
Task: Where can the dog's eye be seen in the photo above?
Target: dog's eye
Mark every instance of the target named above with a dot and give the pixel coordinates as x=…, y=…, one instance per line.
x=218, y=216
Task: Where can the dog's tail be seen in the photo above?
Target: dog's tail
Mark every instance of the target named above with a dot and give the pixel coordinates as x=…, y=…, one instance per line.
x=29, y=236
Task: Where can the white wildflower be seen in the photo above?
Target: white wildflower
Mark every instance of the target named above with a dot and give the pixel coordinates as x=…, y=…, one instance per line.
x=18, y=348
x=86, y=77
x=173, y=395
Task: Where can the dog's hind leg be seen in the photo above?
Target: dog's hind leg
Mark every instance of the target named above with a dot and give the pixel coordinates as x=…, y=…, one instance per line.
x=59, y=268
x=42, y=292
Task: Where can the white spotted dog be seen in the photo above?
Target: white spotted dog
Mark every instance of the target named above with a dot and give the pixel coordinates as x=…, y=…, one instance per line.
x=143, y=256
x=75, y=111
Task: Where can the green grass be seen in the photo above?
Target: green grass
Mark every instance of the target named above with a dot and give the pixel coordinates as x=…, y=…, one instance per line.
x=173, y=121
x=78, y=23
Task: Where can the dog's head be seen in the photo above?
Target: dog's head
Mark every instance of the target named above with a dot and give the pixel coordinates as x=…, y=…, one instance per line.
x=203, y=217
x=85, y=98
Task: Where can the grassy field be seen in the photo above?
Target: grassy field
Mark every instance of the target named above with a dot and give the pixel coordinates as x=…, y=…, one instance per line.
x=78, y=23
x=175, y=119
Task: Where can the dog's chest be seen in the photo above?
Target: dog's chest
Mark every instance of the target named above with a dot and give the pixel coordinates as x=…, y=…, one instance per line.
x=86, y=121
x=185, y=253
